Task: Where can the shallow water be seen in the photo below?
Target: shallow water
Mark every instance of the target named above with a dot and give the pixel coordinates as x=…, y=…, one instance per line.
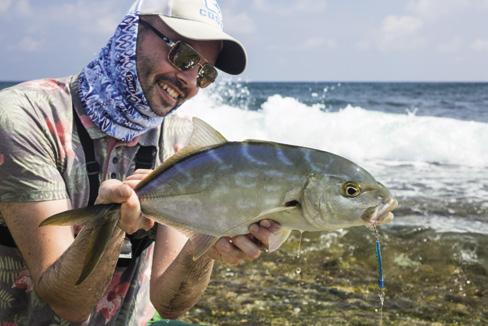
x=430, y=277
x=435, y=263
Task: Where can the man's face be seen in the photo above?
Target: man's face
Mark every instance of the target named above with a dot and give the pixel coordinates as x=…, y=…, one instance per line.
x=164, y=85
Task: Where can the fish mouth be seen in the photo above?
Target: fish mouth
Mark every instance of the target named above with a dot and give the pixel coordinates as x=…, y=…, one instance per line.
x=380, y=214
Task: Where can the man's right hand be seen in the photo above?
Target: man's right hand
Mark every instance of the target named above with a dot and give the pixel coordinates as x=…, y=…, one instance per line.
x=115, y=191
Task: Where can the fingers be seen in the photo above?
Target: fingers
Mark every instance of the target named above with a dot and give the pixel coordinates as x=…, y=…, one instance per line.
x=243, y=248
x=113, y=191
x=226, y=252
x=272, y=226
x=131, y=219
x=139, y=174
x=263, y=231
x=250, y=250
x=147, y=223
x=235, y=251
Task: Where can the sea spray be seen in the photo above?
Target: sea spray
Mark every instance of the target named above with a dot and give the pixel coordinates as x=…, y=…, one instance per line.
x=298, y=270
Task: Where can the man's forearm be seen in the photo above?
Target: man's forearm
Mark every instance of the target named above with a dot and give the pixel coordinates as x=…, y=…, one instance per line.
x=57, y=286
x=182, y=284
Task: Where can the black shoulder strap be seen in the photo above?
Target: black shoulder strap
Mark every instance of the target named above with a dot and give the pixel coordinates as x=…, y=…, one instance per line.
x=145, y=159
x=92, y=166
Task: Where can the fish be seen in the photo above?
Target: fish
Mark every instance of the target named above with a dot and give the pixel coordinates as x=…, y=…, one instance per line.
x=213, y=188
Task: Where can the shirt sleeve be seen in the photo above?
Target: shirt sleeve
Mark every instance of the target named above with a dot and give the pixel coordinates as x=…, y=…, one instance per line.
x=29, y=162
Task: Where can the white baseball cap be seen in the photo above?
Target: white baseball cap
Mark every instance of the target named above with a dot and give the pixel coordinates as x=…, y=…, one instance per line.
x=199, y=20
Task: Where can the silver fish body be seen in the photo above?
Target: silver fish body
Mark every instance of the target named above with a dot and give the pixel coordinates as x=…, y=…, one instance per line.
x=213, y=188
x=221, y=190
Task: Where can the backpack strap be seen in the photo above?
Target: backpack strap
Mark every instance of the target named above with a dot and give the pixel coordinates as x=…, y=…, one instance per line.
x=140, y=240
x=92, y=166
x=92, y=169
x=145, y=159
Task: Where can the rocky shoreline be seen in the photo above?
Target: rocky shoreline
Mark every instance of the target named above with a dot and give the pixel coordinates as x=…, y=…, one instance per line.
x=430, y=279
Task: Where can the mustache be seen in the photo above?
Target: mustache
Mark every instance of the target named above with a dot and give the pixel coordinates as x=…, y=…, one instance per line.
x=175, y=83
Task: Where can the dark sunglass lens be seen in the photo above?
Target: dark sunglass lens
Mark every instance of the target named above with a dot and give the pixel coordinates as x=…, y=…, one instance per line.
x=183, y=56
x=206, y=75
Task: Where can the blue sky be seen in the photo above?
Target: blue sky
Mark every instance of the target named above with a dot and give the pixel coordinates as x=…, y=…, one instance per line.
x=303, y=40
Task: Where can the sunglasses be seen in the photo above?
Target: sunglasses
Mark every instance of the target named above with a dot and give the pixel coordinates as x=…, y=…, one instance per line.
x=183, y=57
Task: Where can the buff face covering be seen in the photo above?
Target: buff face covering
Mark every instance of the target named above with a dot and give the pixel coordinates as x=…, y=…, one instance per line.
x=110, y=90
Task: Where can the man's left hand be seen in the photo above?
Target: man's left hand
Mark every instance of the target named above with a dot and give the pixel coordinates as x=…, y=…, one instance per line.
x=242, y=248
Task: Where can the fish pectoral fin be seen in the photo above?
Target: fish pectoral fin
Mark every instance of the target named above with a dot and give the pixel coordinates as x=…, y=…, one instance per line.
x=101, y=235
x=279, y=214
x=276, y=239
x=201, y=243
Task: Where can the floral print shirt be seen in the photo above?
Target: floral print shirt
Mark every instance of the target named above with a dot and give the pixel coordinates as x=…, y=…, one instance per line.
x=41, y=159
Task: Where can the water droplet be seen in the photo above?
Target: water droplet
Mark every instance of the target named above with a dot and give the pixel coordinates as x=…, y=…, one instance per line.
x=300, y=245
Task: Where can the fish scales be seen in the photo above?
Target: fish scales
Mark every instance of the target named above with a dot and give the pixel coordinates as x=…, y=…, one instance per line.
x=213, y=188
x=241, y=187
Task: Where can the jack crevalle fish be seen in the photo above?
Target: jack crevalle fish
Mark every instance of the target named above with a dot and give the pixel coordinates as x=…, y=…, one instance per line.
x=214, y=188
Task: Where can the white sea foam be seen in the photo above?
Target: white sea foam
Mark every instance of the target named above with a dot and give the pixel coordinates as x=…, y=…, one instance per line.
x=353, y=132
x=442, y=224
x=422, y=159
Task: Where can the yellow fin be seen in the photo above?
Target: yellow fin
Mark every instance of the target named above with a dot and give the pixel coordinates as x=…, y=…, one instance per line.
x=277, y=213
x=103, y=219
x=204, y=135
x=96, y=248
x=276, y=239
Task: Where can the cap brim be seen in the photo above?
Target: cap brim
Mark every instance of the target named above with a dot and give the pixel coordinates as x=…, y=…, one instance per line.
x=232, y=58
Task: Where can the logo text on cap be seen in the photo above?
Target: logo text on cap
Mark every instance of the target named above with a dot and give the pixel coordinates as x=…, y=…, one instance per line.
x=212, y=11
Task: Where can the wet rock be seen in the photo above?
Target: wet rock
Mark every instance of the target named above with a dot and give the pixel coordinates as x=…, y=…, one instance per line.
x=427, y=282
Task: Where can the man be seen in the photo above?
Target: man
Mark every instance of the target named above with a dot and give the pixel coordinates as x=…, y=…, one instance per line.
x=61, y=136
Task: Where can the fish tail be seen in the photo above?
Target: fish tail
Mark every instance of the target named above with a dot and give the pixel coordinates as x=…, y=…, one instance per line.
x=80, y=216
x=103, y=217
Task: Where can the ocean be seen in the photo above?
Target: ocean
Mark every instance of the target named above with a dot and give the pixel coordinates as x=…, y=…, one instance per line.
x=427, y=142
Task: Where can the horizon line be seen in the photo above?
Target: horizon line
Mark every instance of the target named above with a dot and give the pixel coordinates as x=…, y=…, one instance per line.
x=316, y=81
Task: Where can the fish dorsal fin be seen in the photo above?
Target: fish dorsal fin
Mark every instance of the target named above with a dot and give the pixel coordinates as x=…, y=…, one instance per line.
x=203, y=136
x=201, y=243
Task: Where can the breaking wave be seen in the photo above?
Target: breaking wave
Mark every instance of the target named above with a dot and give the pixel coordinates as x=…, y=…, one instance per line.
x=353, y=132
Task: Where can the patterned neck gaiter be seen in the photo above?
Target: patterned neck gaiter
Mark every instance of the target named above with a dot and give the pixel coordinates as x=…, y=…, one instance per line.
x=110, y=90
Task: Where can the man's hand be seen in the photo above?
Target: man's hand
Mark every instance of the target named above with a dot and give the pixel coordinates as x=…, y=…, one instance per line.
x=115, y=191
x=241, y=248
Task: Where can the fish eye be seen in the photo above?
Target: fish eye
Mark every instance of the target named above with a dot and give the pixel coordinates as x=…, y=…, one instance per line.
x=351, y=189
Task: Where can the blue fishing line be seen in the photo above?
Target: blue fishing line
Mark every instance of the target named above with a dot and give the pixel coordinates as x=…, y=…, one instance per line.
x=381, y=281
